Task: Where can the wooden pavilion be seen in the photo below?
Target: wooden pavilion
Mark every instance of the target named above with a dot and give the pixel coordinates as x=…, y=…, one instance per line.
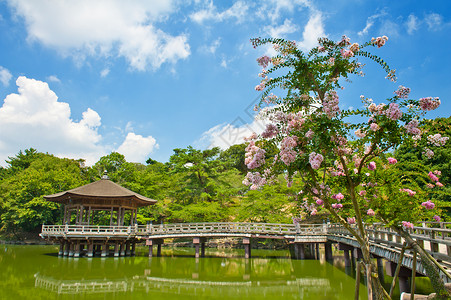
x=86, y=204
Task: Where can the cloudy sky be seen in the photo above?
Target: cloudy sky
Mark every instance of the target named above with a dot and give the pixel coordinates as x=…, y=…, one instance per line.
x=83, y=78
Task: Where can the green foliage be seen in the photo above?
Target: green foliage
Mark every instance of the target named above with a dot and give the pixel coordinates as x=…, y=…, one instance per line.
x=22, y=207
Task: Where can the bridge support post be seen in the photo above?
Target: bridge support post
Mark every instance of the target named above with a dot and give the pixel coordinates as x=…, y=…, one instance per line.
x=61, y=251
x=328, y=251
x=317, y=251
x=158, y=250
x=127, y=248
x=104, y=249
x=90, y=246
x=380, y=268
x=122, y=248
x=247, y=247
x=133, y=248
x=77, y=249
x=198, y=242
x=71, y=249
x=66, y=248
x=347, y=258
x=116, y=249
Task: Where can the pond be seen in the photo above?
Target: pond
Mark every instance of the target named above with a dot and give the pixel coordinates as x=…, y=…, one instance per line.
x=36, y=272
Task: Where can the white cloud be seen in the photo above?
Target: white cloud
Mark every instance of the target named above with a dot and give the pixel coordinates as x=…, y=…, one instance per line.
x=412, y=24
x=389, y=28
x=213, y=47
x=137, y=148
x=224, y=63
x=5, y=76
x=274, y=9
x=312, y=31
x=281, y=31
x=34, y=117
x=226, y=135
x=105, y=28
x=104, y=72
x=370, y=22
x=53, y=78
x=237, y=11
x=434, y=21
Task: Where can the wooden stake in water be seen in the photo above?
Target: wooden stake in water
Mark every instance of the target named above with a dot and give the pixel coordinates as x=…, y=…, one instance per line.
x=414, y=271
x=398, y=268
x=357, y=281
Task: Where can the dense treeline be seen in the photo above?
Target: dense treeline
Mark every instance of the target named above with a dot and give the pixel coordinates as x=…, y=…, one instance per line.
x=193, y=186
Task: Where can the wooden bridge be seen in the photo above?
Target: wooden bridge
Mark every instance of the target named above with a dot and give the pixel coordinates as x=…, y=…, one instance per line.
x=305, y=240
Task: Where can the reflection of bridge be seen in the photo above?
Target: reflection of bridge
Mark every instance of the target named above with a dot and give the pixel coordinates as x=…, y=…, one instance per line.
x=305, y=239
x=181, y=286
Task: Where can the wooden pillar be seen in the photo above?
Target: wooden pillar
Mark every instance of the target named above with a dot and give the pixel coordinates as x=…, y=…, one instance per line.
x=71, y=249
x=133, y=248
x=61, y=251
x=380, y=268
x=116, y=249
x=111, y=216
x=122, y=248
x=328, y=251
x=301, y=249
x=104, y=249
x=403, y=284
x=317, y=251
x=348, y=262
x=127, y=248
x=89, y=215
x=119, y=210
x=77, y=249
x=90, y=252
x=202, y=249
x=247, y=247
x=66, y=248
x=158, y=250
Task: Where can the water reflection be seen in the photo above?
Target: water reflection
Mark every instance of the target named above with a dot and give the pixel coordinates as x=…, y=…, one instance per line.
x=177, y=274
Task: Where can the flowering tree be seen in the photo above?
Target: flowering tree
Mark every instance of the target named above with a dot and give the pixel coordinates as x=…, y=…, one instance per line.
x=341, y=156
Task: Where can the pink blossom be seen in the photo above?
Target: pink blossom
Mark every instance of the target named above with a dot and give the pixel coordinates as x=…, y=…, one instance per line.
x=392, y=160
x=412, y=127
x=270, y=131
x=437, y=218
x=370, y=212
x=330, y=104
x=393, y=112
x=432, y=176
x=255, y=180
x=439, y=184
x=314, y=212
x=297, y=220
x=372, y=166
x=428, y=204
x=374, y=127
x=429, y=103
x=430, y=185
x=379, y=41
x=354, y=47
x=309, y=134
x=359, y=133
x=362, y=193
x=287, y=154
x=338, y=196
x=351, y=220
x=315, y=160
x=402, y=92
x=337, y=205
x=406, y=224
x=346, y=53
x=255, y=156
x=437, y=172
x=408, y=191
x=264, y=61
x=428, y=153
x=437, y=140
x=319, y=202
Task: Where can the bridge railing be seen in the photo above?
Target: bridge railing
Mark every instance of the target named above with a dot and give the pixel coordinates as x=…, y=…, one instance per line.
x=62, y=230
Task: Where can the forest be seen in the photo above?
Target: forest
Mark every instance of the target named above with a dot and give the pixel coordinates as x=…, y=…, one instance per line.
x=193, y=186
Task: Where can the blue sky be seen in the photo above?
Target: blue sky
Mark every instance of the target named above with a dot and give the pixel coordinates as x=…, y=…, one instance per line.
x=80, y=79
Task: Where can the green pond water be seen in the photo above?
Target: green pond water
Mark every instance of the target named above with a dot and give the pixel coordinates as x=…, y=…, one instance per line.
x=36, y=272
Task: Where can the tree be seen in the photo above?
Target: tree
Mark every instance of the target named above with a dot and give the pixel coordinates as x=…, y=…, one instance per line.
x=22, y=206
x=346, y=173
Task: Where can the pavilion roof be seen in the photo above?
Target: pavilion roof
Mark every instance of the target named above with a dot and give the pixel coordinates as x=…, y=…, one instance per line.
x=103, y=189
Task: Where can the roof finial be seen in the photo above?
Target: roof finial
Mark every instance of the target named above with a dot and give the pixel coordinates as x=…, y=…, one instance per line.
x=105, y=175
